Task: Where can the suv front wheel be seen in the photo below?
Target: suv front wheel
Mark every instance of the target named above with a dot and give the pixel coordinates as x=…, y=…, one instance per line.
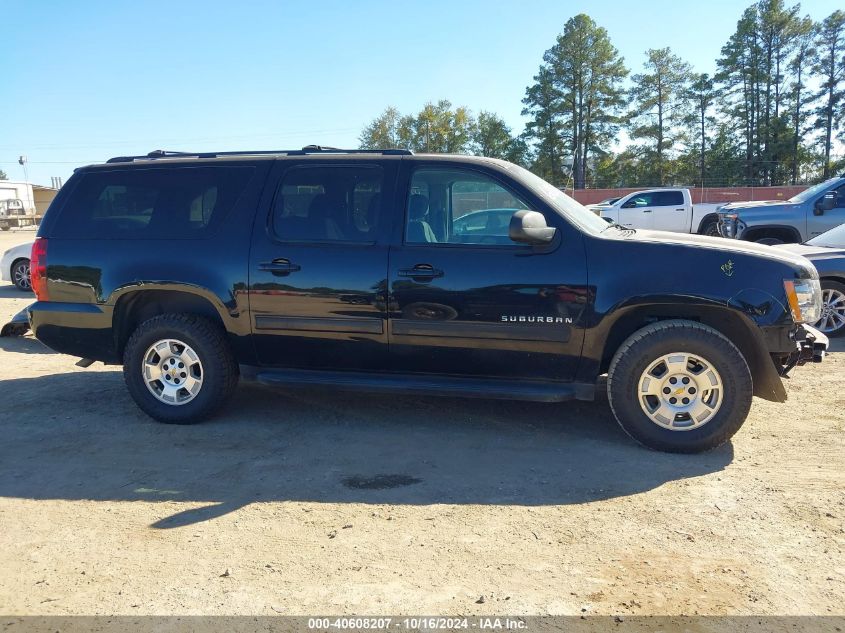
x=679, y=386
x=179, y=368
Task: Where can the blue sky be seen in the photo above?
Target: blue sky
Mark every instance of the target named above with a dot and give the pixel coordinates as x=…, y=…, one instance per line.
x=86, y=80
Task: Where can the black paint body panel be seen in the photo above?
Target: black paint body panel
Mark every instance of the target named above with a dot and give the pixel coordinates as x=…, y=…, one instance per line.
x=532, y=313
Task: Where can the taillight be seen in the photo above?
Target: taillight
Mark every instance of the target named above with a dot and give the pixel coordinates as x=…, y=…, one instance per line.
x=38, y=268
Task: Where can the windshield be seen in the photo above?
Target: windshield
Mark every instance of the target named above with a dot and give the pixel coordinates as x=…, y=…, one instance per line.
x=563, y=204
x=814, y=191
x=834, y=238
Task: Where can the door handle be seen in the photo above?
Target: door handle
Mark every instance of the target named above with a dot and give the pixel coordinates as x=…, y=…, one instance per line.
x=280, y=266
x=421, y=271
x=680, y=209
x=646, y=210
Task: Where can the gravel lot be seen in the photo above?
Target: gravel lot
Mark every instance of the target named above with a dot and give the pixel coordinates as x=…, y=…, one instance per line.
x=308, y=502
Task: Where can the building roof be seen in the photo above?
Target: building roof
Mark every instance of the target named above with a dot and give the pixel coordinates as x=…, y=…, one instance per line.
x=24, y=183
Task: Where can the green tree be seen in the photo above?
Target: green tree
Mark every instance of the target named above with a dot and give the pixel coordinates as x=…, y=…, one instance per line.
x=778, y=29
x=586, y=72
x=804, y=56
x=701, y=96
x=753, y=69
x=740, y=75
x=3, y=175
x=492, y=137
x=543, y=104
x=658, y=97
x=725, y=158
x=436, y=128
x=439, y=128
x=830, y=69
x=384, y=132
x=625, y=169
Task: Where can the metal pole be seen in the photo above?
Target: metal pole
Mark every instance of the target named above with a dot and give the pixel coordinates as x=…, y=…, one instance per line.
x=29, y=201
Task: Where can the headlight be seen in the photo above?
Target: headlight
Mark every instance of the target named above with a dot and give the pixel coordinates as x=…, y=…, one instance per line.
x=805, y=299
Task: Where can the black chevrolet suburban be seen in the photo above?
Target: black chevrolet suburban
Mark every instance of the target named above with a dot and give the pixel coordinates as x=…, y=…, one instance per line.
x=396, y=272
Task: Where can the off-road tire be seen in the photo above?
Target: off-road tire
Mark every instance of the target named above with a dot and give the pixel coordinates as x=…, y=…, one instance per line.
x=665, y=337
x=220, y=371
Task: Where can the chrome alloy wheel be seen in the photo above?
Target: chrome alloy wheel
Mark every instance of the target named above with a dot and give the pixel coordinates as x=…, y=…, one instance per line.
x=21, y=276
x=833, y=310
x=680, y=391
x=172, y=371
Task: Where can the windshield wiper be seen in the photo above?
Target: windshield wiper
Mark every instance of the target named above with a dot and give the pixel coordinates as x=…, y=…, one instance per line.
x=621, y=227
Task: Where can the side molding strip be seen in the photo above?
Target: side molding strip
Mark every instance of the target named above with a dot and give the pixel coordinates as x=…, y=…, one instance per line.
x=310, y=324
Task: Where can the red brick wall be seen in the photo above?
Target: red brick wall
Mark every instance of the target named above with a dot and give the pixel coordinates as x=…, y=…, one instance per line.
x=715, y=194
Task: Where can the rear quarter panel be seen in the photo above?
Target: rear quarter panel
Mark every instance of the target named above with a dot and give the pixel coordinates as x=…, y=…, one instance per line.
x=99, y=272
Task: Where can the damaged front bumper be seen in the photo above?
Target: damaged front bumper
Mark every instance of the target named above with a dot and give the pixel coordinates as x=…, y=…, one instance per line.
x=810, y=347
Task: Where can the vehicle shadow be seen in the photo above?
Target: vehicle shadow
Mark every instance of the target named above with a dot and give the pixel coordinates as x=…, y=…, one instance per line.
x=77, y=435
x=837, y=344
x=10, y=291
x=23, y=345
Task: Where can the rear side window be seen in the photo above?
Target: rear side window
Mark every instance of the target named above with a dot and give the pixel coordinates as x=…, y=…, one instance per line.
x=655, y=199
x=187, y=202
x=329, y=204
x=667, y=198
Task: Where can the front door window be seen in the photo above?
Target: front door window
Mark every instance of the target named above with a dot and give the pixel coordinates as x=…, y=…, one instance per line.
x=457, y=206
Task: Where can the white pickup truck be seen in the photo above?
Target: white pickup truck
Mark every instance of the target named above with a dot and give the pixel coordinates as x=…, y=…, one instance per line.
x=662, y=210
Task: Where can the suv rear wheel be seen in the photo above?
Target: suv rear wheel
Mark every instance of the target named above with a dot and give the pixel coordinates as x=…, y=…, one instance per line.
x=179, y=368
x=679, y=386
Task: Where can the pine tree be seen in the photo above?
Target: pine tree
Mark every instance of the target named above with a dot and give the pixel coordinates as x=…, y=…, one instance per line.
x=543, y=104
x=830, y=69
x=753, y=71
x=658, y=98
x=701, y=96
x=805, y=55
x=579, y=89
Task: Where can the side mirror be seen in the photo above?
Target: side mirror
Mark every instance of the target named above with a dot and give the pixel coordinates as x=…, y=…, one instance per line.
x=826, y=203
x=529, y=227
x=630, y=204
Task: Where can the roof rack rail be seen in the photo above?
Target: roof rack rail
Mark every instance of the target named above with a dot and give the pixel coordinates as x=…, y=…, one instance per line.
x=308, y=149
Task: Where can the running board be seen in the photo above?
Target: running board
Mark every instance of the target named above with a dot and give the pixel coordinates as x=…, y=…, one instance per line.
x=415, y=384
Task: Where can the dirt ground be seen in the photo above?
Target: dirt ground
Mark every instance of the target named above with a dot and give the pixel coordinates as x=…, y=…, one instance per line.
x=319, y=503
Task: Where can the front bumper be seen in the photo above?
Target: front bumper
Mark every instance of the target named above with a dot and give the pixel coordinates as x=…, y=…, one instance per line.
x=810, y=347
x=730, y=227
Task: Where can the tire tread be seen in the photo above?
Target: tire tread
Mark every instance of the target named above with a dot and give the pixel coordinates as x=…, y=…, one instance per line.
x=691, y=329
x=215, y=346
